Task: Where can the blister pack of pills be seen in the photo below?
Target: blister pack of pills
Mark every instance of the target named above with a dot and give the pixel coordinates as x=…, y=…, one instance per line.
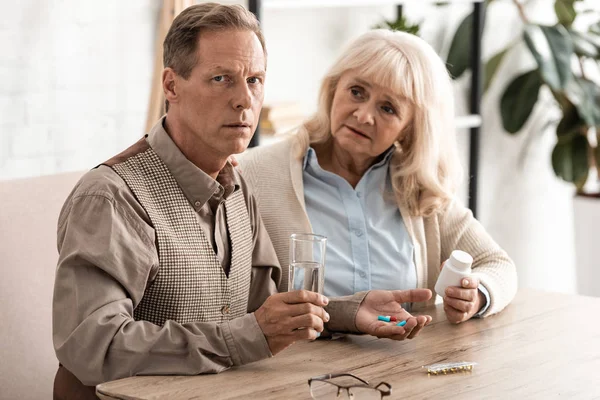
x=449, y=368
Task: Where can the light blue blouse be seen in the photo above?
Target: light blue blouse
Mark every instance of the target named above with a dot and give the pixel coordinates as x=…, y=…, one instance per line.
x=368, y=246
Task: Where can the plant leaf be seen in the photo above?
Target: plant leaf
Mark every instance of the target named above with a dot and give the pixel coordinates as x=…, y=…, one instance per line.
x=518, y=100
x=571, y=123
x=570, y=160
x=459, y=56
x=565, y=12
x=593, y=38
x=597, y=152
x=552, y=48
x=491, y=66
x=585, y=95
x=400, y=24
x=583, y=45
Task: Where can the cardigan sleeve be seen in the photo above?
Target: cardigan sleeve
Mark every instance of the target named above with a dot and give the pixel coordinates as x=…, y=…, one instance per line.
x=459, y=230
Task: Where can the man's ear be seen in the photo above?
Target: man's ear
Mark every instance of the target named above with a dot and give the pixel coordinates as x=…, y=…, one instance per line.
x=169, y=80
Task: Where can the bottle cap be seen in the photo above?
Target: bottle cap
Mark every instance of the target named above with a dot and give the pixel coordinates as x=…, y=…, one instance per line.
x=461, y=260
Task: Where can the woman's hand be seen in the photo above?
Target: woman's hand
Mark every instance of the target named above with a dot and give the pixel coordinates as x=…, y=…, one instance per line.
x=389, y=302
x=461, y=303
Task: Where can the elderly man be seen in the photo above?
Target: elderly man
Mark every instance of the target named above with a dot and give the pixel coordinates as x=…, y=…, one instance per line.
x=165, y=266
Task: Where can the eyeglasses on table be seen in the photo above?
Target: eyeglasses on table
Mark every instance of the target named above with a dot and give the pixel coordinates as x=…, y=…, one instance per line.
x=321, y=388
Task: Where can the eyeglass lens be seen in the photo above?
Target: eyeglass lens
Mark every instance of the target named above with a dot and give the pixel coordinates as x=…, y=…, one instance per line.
x=322, y=390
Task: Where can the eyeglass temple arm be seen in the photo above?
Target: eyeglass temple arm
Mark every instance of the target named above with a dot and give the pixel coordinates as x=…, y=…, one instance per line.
x=331, y=376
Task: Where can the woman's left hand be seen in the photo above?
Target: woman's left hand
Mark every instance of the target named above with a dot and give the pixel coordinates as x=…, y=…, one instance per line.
x=389, y=302
x=461, y=303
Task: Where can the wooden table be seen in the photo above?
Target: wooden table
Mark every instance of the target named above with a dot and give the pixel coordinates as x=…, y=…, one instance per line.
x=542, y=346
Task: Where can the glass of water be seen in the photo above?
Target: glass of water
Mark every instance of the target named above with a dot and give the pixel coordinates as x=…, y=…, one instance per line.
x=307, y=262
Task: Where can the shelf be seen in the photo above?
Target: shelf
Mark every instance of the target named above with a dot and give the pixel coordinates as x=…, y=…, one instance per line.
x=468, y=121
x=281, y=4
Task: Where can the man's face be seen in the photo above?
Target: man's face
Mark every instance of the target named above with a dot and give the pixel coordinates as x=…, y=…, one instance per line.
x=218, y=106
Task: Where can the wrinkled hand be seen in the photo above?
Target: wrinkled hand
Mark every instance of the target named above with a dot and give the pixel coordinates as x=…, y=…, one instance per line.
x=460, y=304
x=389, y=302
x=287, y=317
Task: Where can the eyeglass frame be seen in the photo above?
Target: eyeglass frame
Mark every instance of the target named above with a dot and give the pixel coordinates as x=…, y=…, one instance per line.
x=384, y=392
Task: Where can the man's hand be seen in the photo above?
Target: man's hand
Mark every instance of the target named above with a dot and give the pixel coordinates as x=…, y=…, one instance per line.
x=287, y=317
x=389, y=302
x=460, y=304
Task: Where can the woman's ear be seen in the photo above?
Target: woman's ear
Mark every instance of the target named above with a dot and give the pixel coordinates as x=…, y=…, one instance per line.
x=405, y=135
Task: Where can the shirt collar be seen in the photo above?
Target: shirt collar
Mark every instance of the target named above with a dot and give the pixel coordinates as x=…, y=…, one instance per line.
x=385, y=157
x=197, y=186
x=311, y=158
x=310, y=155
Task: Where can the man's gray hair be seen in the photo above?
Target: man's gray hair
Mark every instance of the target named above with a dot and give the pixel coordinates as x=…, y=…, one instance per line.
x=180, y=43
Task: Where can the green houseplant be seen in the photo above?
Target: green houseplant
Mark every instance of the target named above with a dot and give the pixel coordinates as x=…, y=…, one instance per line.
x=400, y=24
x=566, y=59
x=567, y=68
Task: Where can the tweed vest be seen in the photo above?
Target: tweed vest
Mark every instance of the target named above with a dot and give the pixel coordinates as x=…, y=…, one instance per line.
x=190, y=285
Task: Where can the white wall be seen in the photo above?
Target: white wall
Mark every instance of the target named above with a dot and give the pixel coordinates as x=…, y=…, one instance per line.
x=75, y=81
x=76, y=74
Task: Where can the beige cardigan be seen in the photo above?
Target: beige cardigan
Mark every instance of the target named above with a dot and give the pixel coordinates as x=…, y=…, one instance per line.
x=274, y=174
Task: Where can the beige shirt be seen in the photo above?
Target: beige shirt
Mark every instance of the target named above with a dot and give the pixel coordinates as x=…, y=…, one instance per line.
x=108, y=256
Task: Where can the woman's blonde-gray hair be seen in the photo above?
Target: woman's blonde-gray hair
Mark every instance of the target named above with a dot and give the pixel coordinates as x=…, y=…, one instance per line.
x=426, y=168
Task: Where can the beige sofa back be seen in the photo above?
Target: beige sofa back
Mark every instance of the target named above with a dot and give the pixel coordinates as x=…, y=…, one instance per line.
x=29, y=211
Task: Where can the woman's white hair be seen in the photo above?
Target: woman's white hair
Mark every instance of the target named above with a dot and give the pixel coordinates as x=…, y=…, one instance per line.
x=426, y=169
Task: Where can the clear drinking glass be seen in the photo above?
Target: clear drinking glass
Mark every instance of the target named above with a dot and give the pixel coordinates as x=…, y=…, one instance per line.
x=307, y=262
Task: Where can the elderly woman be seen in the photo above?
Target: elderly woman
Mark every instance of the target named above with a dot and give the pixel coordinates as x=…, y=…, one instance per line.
x=376, y=170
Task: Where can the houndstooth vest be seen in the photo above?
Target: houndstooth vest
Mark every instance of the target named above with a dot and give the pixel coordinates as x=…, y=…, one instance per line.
x=190, y=284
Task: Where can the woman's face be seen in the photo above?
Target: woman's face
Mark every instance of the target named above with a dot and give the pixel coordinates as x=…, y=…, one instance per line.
x=366, y=119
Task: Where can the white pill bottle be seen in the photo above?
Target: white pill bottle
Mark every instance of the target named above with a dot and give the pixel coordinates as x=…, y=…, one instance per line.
x=455, y=269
